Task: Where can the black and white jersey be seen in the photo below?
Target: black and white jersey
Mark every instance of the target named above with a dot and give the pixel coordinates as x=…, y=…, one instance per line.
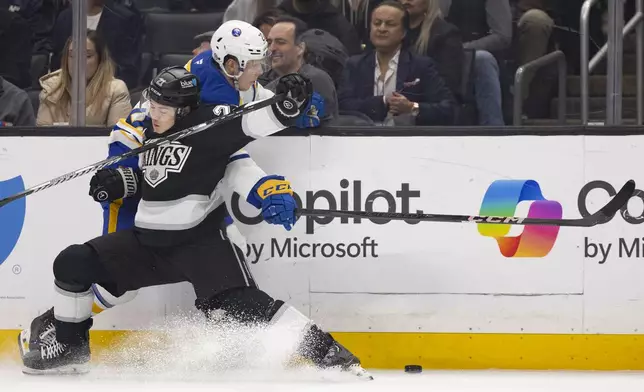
x=181, y=195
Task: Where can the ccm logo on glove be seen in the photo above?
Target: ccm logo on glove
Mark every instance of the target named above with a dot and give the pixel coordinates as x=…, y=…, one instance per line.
x=274, y=196
x=274, y=187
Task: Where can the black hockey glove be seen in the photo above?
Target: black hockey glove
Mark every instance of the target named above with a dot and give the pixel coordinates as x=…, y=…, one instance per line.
x=113, y=184
x=298, y=90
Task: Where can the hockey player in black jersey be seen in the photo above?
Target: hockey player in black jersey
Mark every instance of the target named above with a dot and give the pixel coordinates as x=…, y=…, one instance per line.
x=177, y=231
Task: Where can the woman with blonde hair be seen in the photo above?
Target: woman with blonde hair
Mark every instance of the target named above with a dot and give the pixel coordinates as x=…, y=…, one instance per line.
x=106, y=98
x=430, y=35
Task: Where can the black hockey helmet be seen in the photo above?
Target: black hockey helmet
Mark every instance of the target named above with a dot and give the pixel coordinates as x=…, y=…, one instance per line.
x=175, y=87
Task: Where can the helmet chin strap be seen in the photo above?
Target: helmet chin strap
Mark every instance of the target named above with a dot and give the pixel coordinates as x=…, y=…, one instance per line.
x=235, y=78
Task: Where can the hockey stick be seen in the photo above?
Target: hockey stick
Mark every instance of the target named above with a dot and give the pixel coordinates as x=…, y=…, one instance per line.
x=604, y=215
x=153, y=143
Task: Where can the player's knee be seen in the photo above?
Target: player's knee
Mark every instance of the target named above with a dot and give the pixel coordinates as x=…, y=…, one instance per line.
x=75, y=268
x=244, y=305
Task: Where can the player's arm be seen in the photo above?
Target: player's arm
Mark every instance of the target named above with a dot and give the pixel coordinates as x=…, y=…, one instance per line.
x=234, y=135
x=267, y=121
x=270, y=193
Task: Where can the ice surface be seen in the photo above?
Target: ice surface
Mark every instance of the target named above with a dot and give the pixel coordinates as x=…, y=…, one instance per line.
x=183, y=355
x=390, y=381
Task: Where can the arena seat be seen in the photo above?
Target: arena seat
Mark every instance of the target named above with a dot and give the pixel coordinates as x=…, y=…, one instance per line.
x=175, y=32
x=170, y=59
x=39, y=68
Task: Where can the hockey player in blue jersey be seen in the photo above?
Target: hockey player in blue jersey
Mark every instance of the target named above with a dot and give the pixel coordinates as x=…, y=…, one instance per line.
x=229, y=70
x=228, y=74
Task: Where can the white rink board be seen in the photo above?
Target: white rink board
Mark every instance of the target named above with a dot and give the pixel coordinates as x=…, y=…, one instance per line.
x=440, y=277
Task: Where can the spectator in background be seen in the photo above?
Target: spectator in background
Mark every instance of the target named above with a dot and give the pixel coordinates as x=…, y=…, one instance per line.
x=248, y=10
x=359, y=11
x=198, y=5
x=321, y=14
x=265, y=21
x=107, y=98
x=392, y=84
x=486, y=26
x=287, y=56
x=121, y=29
x=15, y=48
x=326, y=52
x=15, y=107
x=40, y=16
x=534, y=29
x=430, y=35
x=203, y=42
x=534, y=33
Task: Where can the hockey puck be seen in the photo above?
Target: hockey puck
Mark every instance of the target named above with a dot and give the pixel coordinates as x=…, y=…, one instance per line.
x=413, y=369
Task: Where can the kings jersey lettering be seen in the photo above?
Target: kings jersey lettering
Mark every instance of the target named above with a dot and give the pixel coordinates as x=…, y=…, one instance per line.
x=159, y=162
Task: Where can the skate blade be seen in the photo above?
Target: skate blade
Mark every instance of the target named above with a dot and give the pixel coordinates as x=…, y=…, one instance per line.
x=67, y=370
x=23, y=341
x=360, y=372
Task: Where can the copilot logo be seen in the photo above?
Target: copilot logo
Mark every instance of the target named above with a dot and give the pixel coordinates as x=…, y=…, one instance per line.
x=12, y=216
x=501, y=199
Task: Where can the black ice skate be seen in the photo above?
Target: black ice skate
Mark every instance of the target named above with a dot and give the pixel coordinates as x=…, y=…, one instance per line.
x=327, y=353
x=41, y=353
x=339, y=357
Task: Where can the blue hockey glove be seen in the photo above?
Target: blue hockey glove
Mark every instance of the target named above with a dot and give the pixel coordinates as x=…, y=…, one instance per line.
x=279, y=210
x=311, y=116
x=273, y=194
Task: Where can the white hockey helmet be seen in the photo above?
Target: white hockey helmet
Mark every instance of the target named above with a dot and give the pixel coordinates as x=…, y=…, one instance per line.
x=240, y=40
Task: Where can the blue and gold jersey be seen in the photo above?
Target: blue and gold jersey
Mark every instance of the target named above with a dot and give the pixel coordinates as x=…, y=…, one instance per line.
x=126, y=135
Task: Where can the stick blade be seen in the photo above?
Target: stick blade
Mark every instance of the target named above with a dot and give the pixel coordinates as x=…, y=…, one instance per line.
x=621, y=198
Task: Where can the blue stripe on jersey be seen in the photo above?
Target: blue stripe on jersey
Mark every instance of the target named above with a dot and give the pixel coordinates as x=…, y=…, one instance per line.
x=237, y=157
x=100, y=298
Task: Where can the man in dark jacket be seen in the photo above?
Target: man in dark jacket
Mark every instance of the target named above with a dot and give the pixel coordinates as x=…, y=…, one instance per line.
x=15, y=107
x=486, y=27
x=392, y=85
x=321, y=14
x=15, y=48
x=484, y=24
x=121, y=28
x=40, y=16
x=287, y=51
